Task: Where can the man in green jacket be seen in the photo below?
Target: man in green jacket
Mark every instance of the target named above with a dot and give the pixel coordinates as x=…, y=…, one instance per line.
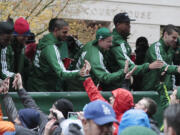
x=162, y=50
x=13, y=59
x=94, y=52
x=6, y=64
x=121, y=50
x=48, y=67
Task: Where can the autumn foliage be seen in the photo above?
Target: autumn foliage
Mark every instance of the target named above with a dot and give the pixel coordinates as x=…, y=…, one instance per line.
x=39, y=12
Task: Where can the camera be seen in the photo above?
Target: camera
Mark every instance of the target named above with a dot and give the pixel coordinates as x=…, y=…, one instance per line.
x=72, y=115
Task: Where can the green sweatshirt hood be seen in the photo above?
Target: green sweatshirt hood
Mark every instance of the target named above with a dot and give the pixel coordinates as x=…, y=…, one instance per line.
x=117, y=38
x=48, y=39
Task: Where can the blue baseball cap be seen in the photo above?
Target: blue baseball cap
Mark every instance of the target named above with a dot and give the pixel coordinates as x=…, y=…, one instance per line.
x=100, y=112
x=133, y=117
x=9, y=133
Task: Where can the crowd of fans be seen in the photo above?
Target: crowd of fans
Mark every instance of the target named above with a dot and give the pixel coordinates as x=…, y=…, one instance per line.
x=59, y=62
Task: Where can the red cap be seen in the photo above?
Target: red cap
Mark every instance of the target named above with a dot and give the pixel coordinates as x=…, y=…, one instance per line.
x=21, y=26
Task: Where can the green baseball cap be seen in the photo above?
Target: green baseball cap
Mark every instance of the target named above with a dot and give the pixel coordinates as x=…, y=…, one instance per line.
x=102, y=33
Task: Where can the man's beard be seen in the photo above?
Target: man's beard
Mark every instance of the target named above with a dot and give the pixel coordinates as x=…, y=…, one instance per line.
x=125, y=35
x=62, y=39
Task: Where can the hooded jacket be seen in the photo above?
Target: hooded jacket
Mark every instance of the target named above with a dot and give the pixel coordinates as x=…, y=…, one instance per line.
x=13, y=114
x=159, y=51
x=5, y=125
x=120, y=52
x=100, y=75
x=29, y=118
x=13, y=60
x=48, y=66
x=163, y=95
x=123, y=99
x=28, y=102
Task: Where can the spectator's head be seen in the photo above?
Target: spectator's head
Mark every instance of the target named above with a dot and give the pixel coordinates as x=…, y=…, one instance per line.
x=133, y=117
x=6, y=30
x=170, y=35
x=148, y=105
x=63, y=105
x=121, y=101
x=59, y=28
x=103, y=38
x=21, y=30
x=138, y=130
x=175, y=96
x=122, y=24
x=172, y=120
x=29, y=118
x=98, y=118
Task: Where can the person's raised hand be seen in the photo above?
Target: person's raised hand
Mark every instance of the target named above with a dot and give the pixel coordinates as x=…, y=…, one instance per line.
x=17, y=83
x=85, y=70
x=156, y=64
x=56, y=113
x=126, y=66
x=129, y=74
x=50, y=127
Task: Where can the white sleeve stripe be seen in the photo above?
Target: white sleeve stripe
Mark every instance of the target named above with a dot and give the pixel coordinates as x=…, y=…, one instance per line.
x=157, y=50
x=4, y=64
x=78, y=65
x=125, y=53
x=101, y=62
x=60, y=61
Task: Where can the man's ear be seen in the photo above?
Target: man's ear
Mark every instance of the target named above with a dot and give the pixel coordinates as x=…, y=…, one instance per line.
x=145, y=110
x=171, y=131
x=84, y=123
x=165, y=34
x=56, y=29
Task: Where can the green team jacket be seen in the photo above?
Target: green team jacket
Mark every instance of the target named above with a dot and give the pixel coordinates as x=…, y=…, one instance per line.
x=48, y=66
x=100, y=75
x=13, y=60
x=7, y=62
x=163, y=95
x=159, y=51
x=120, y=52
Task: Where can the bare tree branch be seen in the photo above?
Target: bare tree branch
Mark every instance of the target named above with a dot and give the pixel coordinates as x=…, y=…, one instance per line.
x=62, y=8
x=35, y=7
x=41, y=32
x=40, y=11
x=17, y=5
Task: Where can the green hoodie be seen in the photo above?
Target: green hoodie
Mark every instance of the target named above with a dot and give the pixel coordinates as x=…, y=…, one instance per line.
x=120, y=52
x=159, y=51
x=13, y=60
x=48, y=66
x=100, y=75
